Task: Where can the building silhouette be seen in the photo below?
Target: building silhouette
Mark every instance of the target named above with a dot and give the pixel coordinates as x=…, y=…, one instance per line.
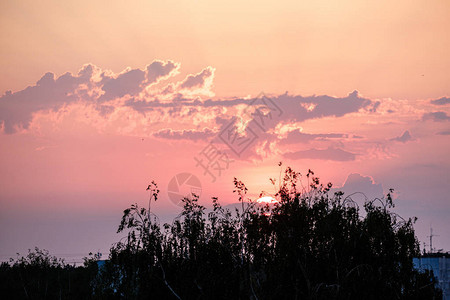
x=439, y=263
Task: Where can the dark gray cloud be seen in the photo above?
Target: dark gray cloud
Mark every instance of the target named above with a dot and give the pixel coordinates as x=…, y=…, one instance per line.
x=93, y=86
x=128, y=83
x=291, y=109
x=192, y=135
x=160, y=69
x=197, y=80
x=291, y=106
x=324, y=106
x=330, y=153
x=133, y=81
x=356, y=183
x=16, y=109
x=437, y=116
x=441, y=101
x=405, y=137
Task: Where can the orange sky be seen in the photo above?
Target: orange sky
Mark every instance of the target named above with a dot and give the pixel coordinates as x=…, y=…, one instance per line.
x=381, y=48
x=138, y=89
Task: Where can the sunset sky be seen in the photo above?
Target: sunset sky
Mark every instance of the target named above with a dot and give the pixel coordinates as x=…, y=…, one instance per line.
x=99, y=98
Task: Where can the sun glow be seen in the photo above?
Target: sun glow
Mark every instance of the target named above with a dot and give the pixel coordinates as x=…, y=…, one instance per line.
x=267, y=200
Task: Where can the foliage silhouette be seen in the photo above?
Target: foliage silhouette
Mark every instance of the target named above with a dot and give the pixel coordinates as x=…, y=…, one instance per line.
x=308, y=245
x=42, y=276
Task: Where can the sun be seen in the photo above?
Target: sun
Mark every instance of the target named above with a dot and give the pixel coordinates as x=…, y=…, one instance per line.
x=266, y=200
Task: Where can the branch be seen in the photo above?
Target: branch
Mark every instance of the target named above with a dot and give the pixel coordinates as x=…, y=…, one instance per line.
x=165, y=281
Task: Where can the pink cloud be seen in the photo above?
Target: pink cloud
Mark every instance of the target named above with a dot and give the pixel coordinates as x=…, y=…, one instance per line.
x=437, y=116
x=160, y=70
x=198, y=80
x=405, y=137
x=330, y=153
x=193, y=135
x=441, y=101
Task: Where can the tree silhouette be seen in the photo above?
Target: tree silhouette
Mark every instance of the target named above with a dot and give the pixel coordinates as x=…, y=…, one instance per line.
x=42, y=276
x=310, y=244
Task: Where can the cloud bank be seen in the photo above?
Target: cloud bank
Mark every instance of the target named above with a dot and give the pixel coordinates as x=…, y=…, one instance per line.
x=94, y=86
x=154, y=102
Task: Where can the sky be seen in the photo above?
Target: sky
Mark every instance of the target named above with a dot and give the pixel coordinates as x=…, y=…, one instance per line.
x=99, y=98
